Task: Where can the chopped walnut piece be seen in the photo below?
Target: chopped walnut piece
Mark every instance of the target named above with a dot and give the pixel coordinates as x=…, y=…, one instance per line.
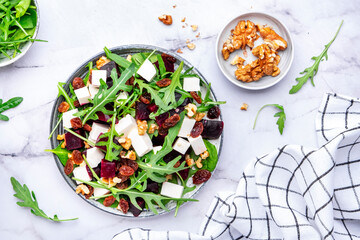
x=191, y=46
x=271, y=38
x=87, y=146
x=82, y=189
x=179, y=51
x=166, y=19
x=101, y=62
x=198, y=163
x=189, y=161
x=63, y=145
x=199, y=116
x=60, y=137
x=116, y=180
x=174, y=6
x=244, y=107
x=142, y=127
x=168, y=177
x=187, y=41
x=243, y=35
x=131, y=155
x=204, y=155
x=123, y=206
x=126, y=144
x=152, y=128
x=122, y=154
x=191, y=109
x=239, y=61
x=194, y=27
x=197, y=35
x=183, y=19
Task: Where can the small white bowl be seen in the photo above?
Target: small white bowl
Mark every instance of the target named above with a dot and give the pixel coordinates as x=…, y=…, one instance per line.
x=286, y=56
x=4, y=61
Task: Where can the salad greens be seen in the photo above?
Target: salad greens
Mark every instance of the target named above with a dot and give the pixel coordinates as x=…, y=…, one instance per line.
x=144, y=100
x=18, y=19
x=11, y=103
x=281, y=115
x=28, y=199
x=310, y=72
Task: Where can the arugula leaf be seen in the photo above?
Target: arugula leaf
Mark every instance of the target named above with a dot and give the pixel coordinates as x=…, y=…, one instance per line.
x=107, y=95
x=116, y=58
x=169, y=97
x=22, y=7
x=281, y=115
x=154, y=94
x=162, y=67
x=29, y=200
x=11, y=103
x=62, y=153
x=63, y=93
x=210, y=162
x=310, y=72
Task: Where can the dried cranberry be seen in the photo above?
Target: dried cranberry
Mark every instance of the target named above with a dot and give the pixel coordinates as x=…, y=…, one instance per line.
x=124, y=205
x=77, y=157
x=91, y=191
x=63, y=107
x=197, y=130
x=78, y=83
x=126, y=171
x=145, y=98
x=201, y=176
x=87, y=127
x=163, y=82
x=163, y=131
x=168, y=57
x=213, y=112
x=122, y=178
x=76, y=123
x=122, y=185
x=171, y=121
x=77, y=103
x=152, y=107
x=108, y=201
x=196, y=97
x=212, y=129
x=69, y=166
x=130, y=81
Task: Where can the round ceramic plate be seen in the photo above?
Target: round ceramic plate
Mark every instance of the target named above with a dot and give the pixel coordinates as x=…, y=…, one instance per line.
x=4, y=61
x=286, y=56
x=81, y=71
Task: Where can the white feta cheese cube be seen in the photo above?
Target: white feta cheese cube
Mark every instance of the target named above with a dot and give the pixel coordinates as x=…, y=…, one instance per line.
x=186, y=127
x=181, y=145
x=125, y=125
x=94, y=156
x=98, y=192
x=96, y=130
x=191, y=84
x=156, y=149
x=147, y=70
x=171, y=190
x=197, y=144
x=83, y=95
x=81, y=173
x=96, y=75
x=141, y=143
x=122, y=96
x=93, y=91
x=67, y=116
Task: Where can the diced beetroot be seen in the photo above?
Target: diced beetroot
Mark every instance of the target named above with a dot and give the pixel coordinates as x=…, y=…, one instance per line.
x=168, y=65
x=142, y=112
x=108, y=169
x=212, y=129
x=152, y=187
x=73, y=142
x=103, y=117
x=184, y=173
x=172, y=155
x=96, y=170
x=104, y=139
x=134, y=210
x=158, y=140
x=109, y=67
x=152, y=107
x=177, y=110
x=161, y=118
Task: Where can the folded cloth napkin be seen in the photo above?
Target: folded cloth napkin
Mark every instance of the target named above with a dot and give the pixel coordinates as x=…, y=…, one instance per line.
x=293, y=192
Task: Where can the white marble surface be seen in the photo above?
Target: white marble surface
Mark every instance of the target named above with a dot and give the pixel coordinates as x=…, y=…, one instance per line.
x=77, y=30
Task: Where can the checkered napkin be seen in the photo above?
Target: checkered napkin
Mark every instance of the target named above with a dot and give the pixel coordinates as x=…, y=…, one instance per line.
x=293, y=192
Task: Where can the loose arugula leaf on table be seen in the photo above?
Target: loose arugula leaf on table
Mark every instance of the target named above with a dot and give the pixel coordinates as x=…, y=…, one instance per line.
x=29, y=200
x=310, y=72
x=281, y=115
x=62, y=153
x=108, y=95
x=11, y=103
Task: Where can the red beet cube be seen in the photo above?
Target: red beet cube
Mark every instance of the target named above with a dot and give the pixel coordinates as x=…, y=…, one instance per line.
x=108, y=169
x=73, y=142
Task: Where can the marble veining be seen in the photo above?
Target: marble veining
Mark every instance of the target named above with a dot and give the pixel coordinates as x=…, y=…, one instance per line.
x=76, y=30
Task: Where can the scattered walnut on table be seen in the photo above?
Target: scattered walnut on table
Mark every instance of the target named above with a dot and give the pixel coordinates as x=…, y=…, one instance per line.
x=244, y=107
x=183, y=19
x=194, y=27
x=191, y=46
x=179, y=51
x=166, y=19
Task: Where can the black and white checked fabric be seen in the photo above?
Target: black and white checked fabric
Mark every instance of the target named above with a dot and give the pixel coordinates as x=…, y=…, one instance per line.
x=293, y=192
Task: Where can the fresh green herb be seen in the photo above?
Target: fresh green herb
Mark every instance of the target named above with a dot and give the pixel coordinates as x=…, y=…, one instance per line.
x=154, y=94
x=62, y=153
x=108, y=95
x=11, y=103
x=56, y=126
x=161, y=63
x=310, y=72
x=281, y=115
x=29, y=200
x=169, y=97
x=63, y=93
x=90, y=67
x=116, y=58
x=210, y=162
